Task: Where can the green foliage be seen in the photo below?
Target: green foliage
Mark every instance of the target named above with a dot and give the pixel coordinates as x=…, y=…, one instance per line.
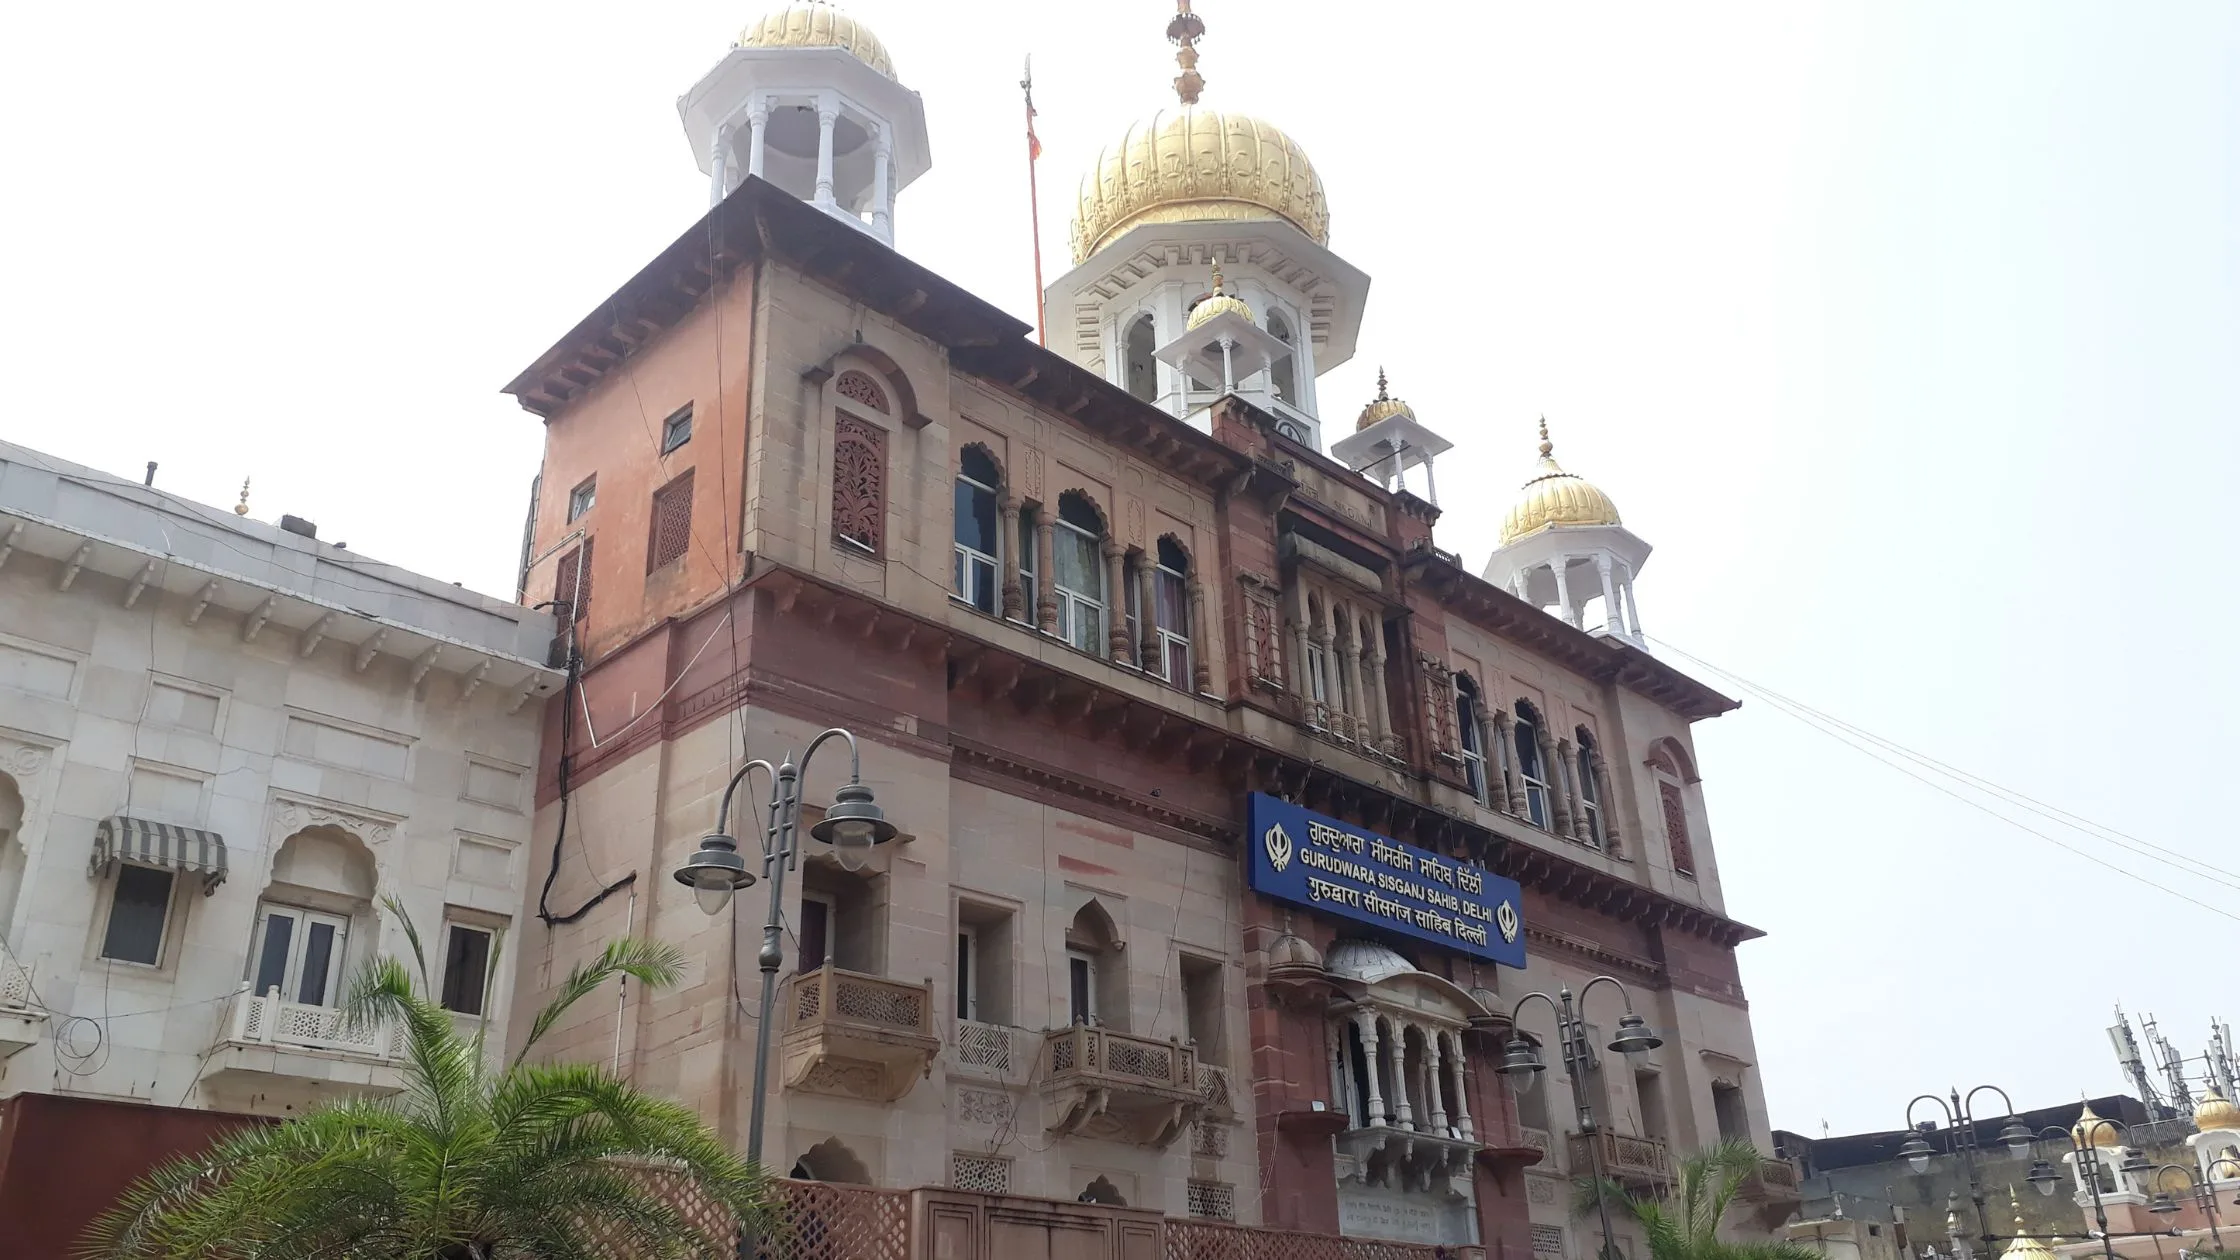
x=466, y=1163
x=1684, y=1224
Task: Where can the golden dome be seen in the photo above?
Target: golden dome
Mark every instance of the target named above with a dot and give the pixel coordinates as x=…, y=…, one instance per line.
x=1196, y=165
x=815, y=24
x=2024, y=1248
x=1216, y=304
x=1383, y=407
x=2092, y=1131
x=2215, y=1112
x=1555, y=497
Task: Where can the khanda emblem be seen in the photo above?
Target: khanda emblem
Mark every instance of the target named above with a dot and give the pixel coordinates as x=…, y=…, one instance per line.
x=1277, y=842
x=1505, y=918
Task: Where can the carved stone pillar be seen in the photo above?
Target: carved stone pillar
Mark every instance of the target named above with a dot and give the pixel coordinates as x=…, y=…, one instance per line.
x=1563, y=589
x=1366, y=1024
x=1116, y=605
x=1601, y=772
x=1611, y=620
x=1380, y=704
x=1461, y=1106
x=1341, y=1081
x=758, y=120
x=1046, y=571
x=1148, y=651
x=1567, y=766
x=1434, y=1082
x=828, y=116
x=1007, y=556
x=1349, y=662
x=1201, y=646
x=1559, y=809
x=1505, y=734
x=882, y=188
x=1403, y=1116
x=719, y=165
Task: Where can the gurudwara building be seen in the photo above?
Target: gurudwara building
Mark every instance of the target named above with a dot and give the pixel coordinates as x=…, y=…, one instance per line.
x=1235, y=814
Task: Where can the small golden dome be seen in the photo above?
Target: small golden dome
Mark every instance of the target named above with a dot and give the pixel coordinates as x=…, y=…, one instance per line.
x=1555, y=497
x=1195, y=165
x=2024, y=1248
x=1215, y=304
x=2091, y=1131
x=2216, y=1112
x=1383, y=407
x=815, y=24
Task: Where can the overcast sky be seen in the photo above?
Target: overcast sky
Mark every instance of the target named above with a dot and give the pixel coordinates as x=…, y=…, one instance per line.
x=1906, y=332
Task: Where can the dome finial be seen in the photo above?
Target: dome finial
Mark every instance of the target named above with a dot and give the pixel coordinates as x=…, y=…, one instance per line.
x=1382, y=396
x=242, y=508
x=1547, y=448
x=1217, y=277
x=1186, y=29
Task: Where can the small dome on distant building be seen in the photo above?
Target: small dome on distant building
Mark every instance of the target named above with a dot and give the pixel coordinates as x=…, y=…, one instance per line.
x=815, y=24
x=1292, y=951
x=2216, y=1112
x=1555, y=497
x=2092, y=1131
x=1217, y=303
x=1383, y=407
x=1367, y=961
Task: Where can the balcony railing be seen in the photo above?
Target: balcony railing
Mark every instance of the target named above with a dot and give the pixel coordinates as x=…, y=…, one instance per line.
x=857, y=1035
x=989, y=1048
x=271, y=1020
x=1774, y=1179
x=1626, y=1157
x=1113, y=1085
x=1219, y=1089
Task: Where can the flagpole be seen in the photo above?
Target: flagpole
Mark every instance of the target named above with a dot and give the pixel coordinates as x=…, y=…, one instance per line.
x=1034, y=201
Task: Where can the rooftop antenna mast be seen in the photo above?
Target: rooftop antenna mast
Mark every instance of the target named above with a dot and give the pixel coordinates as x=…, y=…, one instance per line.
x=2171, y=1064
x=2220, y=1056
x=2135, y=1067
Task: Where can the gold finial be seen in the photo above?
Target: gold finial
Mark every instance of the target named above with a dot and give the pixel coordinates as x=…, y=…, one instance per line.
x=1382, y=396
x=1186, y=29
x=2015, y=1201
x=1217, y=278
x=1547, y=447
x=242, y=508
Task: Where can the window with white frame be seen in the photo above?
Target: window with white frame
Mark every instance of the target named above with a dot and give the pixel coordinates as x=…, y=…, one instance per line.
x=1466, y=717
x=139, y=910
x=1029, y=565
x=1170, y=595
x=677, y=429
x=974, y=578
x=299, y=953
x=1079, y=578
x=1529, y=766
x=466, y=968
x=582, y=497
x=1081, y=987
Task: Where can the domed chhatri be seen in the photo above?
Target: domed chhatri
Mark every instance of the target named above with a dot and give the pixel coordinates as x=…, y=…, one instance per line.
x=815, y=24
x=2091, y=1131
x=1195, y=165
x=1366, y=961
x=1215, y=304
x=1555, y=497
x=1383, y=407
x=2216, y=1112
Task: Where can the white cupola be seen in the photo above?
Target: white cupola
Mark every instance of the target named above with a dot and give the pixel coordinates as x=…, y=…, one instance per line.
x=1564, y=548
x=1388, y=440
x=807, y=98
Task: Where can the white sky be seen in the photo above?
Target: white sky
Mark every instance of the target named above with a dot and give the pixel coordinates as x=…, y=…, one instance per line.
x=1907, y=333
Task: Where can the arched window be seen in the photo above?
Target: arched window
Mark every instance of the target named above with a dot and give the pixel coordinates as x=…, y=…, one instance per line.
x=859, y=482
x=976, y=565
x=1171, y=614
x=1142, y=369
x=1079, y=580
x=1672, y=800
x=1529, y=766
x=1590, y=788
x=1283, y=374
x=1096, y=981
x=1466, y=718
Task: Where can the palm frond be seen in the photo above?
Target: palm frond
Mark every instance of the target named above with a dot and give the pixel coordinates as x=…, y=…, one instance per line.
x=411, y=935
x=655, y=964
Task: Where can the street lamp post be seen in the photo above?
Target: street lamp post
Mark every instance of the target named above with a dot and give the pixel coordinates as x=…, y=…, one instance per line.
x=1960, y=1118
x=716, y=870
x=2203, y=1198
x=1522, y=1064
x=2084, y=1148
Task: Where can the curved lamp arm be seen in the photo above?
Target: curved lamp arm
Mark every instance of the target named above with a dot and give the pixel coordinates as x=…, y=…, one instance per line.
x=1515, y=1030
x=1968, y=1104
x=723, y=811
x=1613, y=982
x=1949, y=1118
x=855, y=754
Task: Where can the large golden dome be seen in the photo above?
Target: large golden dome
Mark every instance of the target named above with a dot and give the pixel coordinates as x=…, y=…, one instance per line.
x=1190, y=164
x=2215, y=1112
x=1555, y=497
x=815, y=24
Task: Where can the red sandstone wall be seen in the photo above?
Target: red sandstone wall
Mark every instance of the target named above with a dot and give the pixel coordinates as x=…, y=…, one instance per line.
x=64, y=1161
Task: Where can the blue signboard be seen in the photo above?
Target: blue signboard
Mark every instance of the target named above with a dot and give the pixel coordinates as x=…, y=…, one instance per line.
x=1329, y=866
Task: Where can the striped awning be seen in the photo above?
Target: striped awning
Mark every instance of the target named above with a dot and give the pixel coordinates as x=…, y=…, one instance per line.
x=167, y=845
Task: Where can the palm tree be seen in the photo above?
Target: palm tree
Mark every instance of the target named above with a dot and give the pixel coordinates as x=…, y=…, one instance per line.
x=546, y=1160
x=1684, y=1223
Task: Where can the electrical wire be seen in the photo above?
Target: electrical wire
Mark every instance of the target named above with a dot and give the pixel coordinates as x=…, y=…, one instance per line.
x=1874, y=750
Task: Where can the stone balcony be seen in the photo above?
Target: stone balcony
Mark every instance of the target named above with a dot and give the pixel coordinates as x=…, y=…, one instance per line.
x=855, y=1035
x=21, y=1021
x=1773, y=1192
x=264, y=1037
x=1631, y=1160
x=1106, y=1084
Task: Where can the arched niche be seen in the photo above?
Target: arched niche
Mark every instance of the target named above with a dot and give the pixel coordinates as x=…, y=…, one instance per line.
x=831, y=1160
x=1096, y=972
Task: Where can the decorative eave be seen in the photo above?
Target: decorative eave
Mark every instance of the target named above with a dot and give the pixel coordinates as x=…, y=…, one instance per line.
x=1488, y=607
x=758, y=220
x=1056, y=384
